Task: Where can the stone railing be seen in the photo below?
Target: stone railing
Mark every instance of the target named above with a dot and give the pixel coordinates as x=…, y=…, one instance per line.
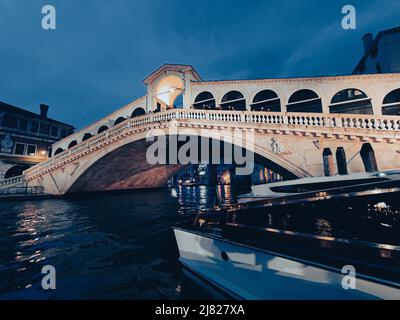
x=370, y=122
x=124, y=112
x=389, y=124
x=11, y=191
x=11, y=181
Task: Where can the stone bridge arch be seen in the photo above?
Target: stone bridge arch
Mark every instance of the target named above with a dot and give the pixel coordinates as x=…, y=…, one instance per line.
x=123, y=165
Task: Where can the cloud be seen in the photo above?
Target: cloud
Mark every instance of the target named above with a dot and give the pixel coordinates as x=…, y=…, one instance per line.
x=94, y=62
x=323, y=38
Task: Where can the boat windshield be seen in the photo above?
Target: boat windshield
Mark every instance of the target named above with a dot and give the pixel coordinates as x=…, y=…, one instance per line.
x=307, y=187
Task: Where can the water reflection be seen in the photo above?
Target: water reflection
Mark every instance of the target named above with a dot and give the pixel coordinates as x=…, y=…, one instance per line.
x=27, y=234
x=117, y=246
x=193, y=199
x=122, y=246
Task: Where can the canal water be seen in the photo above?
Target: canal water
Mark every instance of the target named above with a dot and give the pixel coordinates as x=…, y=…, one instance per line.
x=122, y=246
x=117, y=246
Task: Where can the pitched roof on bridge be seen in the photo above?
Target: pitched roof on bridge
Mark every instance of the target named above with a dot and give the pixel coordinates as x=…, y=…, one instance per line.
x=171, y=67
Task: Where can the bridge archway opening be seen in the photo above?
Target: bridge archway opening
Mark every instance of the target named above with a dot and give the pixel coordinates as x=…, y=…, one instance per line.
x=305, y=100
x=15, y=171
x=58, y=151
x=119, y=120
x=391, y=103
x=205, y=101
x=178, y=102
x=351, y=101
x=168, y=89
x=102, y=129
x=138, y=112
x=127, y=167
x=87, y=136
x=212, y=175
x=72, y=144
x=233, y=100
x=266, y=100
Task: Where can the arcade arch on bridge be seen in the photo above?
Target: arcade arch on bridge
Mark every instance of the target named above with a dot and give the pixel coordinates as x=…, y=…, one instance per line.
x=58, y=151
x=138, y=112
x=102, y=129
x=15, y=171
x=266, y=100
x=233, y=100
x=87, y=136
x=351, y=101
x=204, y=100
x=168, y=89
x=305, y=100
x=119, y=120
x=391, y=103
x=73, y=143
x=167, y=83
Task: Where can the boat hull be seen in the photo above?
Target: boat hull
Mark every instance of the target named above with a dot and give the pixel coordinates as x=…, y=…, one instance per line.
x=244, y=272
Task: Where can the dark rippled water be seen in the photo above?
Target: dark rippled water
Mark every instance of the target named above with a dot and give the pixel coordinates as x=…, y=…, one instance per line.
x=122, y=246
x=103, y=247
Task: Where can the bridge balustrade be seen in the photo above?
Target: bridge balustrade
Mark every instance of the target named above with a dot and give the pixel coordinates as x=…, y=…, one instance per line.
x=21, y=190
x=346, y=121
x=10, y=181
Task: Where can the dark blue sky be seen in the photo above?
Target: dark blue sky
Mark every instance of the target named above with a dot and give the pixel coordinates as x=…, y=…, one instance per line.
x=95, y=61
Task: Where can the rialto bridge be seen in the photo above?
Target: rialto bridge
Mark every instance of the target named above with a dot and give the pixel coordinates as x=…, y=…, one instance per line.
x=302, y=126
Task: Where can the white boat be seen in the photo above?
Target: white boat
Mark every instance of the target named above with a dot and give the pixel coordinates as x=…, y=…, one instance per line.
x=322, y=186
x=246, y=260
x=241, y=271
